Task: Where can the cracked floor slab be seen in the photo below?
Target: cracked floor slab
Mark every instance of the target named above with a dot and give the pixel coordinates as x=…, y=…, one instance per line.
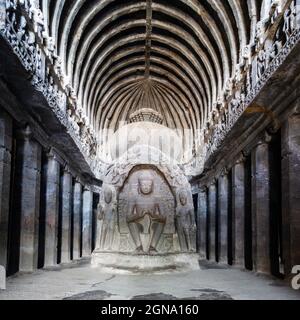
x=82, y=282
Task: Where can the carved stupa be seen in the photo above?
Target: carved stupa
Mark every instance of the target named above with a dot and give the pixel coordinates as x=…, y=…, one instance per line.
x=147, y=109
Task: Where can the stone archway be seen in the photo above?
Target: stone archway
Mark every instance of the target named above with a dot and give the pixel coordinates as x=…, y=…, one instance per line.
x=146, y=216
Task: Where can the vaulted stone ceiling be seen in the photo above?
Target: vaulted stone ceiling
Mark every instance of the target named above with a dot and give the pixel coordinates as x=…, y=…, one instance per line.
x=173, y=56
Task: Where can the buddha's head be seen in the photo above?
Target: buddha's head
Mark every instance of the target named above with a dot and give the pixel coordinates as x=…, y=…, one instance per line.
x=107, y=195
x=146, y=184
x=183, y=198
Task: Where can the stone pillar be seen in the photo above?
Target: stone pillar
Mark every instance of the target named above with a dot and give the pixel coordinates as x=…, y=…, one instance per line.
x=66, y=216
x=261, y=206
x=77, y=211
x=87, y=216
x=52, y=209
x=202, y=222
x=28, y=175
x=5, y=170
x=291, y=191
x=223, y=217
x=212, y=209
x=238, y=213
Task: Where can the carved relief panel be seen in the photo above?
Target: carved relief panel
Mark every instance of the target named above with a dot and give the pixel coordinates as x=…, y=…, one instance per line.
x=146, y=216
x=147, y=210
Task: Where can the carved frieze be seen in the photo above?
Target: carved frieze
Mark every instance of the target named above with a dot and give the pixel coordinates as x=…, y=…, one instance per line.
x=266, y=60
x=22, y=26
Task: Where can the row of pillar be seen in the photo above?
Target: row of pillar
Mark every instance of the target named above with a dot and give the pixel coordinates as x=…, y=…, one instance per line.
x=73, y=200
x=224, y=201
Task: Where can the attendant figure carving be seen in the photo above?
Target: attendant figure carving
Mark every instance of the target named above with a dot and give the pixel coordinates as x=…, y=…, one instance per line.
x=108, y=214
x=185, y=224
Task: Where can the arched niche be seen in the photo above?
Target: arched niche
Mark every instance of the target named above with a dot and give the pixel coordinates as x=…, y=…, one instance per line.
x=122, y=179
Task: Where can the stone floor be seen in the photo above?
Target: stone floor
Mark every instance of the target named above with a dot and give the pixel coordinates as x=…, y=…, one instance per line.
x=81, y=282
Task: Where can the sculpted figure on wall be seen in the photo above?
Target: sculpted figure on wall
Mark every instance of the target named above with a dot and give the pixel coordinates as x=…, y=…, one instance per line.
x=107, y=213
x=185, y=223
x=141, y=213
x=288, y=25
x=145, y=213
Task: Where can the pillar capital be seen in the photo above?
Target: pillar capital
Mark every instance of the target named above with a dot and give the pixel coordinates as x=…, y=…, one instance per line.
x=241, y=158
x=87, y=188
x=96, y=189
x=67, y=169
x=78, y=180
x=265, y=138
x=202, y=189
x=51, y=154
x=25, y=133
x=296, y=108
x=213, y=182
x=224, y=172
x=274, y=127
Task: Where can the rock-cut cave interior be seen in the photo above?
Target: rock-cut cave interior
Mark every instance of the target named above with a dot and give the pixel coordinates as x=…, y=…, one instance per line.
x=149, y=149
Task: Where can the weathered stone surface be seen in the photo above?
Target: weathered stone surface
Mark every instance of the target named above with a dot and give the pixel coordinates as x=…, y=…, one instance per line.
x=91, y=295
x=87, y=214
x=204, y=296
x=29, y=173
x=223, y=198
x=238, y=217
x=66, y=216
x=5, y=170
x=132, y=263
x=202, y=222
x=77, y=211
x=291, y=192
x=52, y=207
x=85, y=282
x=261, y=208
x=212, y=207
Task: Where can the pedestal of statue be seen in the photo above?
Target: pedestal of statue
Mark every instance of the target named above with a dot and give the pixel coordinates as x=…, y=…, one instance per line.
x=129, y=263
